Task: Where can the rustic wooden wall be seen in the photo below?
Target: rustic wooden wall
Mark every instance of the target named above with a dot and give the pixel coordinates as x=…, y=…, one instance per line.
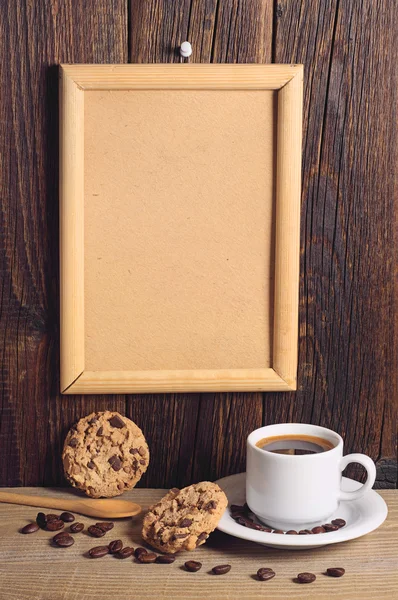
x=348, y=318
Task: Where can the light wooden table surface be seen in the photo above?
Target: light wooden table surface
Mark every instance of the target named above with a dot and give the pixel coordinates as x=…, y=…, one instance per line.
x=31, y=569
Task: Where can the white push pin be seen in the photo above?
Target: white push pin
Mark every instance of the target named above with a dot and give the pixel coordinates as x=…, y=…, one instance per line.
x=185, y=50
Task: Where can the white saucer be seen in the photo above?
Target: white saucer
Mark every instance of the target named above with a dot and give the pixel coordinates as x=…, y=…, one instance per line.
x=362, y=516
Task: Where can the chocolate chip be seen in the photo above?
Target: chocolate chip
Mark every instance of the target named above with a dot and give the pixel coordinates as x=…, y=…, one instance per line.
x=30, y=528
x=221, y=569
x=185, y=523
x=41, y=520
x=115, y=546
x=93, y=421
x=180, y=536
x=193, y=566
x=98, y=551
x=330, y=527
x=73, y=442
x=55, y=525
x=149, y=557
x=91, y=465
x=318, y=529
x=175, y=490
x=142, y=450
x=139, y=551
x=125, y=552
x=76, y=527
x=265, y=573
x=67, y=517
x=96, y=531
x=105, y=525
x=335, y=572
x=211, y=505
x=165, y=559
x=134, y=451
x=142, y=462
x=339, y=522
x=100, y=432
x=291, y=532
x=115, y=462
x=305, y=578
x=202, y=536
x=117, y=422
x=64, y=541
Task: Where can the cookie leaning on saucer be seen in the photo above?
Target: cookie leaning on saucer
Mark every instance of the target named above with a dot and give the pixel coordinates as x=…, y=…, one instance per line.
x=183, y=519
x=105, y=454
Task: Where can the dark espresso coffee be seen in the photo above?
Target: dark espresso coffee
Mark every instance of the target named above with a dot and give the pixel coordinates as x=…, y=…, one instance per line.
x=295, y=444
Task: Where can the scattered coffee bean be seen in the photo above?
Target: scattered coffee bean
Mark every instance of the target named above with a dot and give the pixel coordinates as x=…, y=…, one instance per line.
x=265, y=573
x=30, y=528
x=303, y=532
x=221, y=569
x=193, y=566
x=96, y=531
x=52, y=517
x=306, y=577
x=318, y=529
x=125, y=552
x=165, y=559
x=115, y=546
x=41, y=520
x=58, y=536
x=329, y=527
x=251, y=524
x=147, y=558
x=117, y=422
x=278, y=531
x=105, y=526
x=76, y=527
x=139, y=551
x=237, y=508
x=339, y=522
x=186, y=523
x=55, y=525
x=98, y=551
x=64, y=541
x=67, y=517
x=291, y=532
x=335, y=572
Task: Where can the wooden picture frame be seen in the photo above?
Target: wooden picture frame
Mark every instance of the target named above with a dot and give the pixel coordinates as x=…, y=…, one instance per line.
x=285, y=81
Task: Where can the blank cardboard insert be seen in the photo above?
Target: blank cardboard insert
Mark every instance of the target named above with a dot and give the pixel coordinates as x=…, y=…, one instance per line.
x=178, y=225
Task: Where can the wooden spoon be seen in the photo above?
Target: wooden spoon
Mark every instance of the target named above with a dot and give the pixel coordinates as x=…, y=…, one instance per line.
x=104, y=508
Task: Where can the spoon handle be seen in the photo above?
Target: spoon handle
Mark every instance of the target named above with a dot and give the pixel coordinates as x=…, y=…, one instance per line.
x=41, y=501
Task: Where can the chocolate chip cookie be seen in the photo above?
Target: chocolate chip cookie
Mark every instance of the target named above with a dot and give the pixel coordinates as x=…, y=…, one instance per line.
x=105, y=454
x=183, y=519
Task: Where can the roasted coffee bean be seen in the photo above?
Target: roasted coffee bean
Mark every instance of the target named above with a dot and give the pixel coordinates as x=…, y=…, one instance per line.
x=221, y=569
x=306, y=577
x=98, y=551
x=115, y=462
x=193, y=566
x=264, y=574
x=76, y=527
x=67, y=517
x=185, y=523
x=237, y=508
x=335, y=572
x=117, y=422
x=147, y=558
x=165, y=559
x=96, y=531
x=41, y=520
x=330, y=527
x=339, y=522
x=30, y=528
x=64, y=541
x=105, y=526
x=57, y=536
x=139, y=551
x=303, y=532
x=251, y=524
x=291, y=532
x=55, y=525
x=115, y=546
x=125, y=552
x=52, y=517
x=318, y=529
x=278, y=531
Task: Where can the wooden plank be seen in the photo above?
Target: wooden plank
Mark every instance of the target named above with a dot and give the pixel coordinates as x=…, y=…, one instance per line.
x=35, y=37
x=347, y=374
x=31, y=569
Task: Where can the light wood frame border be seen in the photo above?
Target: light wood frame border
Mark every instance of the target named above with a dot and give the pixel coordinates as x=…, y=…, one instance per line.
x=287, y=80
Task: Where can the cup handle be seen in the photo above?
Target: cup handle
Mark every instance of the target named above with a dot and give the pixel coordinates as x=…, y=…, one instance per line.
x=370, y=467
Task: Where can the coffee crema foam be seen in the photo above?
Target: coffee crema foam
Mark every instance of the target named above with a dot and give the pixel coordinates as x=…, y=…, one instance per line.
x=295, y=444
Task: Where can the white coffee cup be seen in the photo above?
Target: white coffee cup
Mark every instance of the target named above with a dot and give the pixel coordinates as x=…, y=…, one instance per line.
x=299, y=491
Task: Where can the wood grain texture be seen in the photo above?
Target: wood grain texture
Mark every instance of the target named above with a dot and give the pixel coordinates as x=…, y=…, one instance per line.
x=347, y=352
x=49, y=573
